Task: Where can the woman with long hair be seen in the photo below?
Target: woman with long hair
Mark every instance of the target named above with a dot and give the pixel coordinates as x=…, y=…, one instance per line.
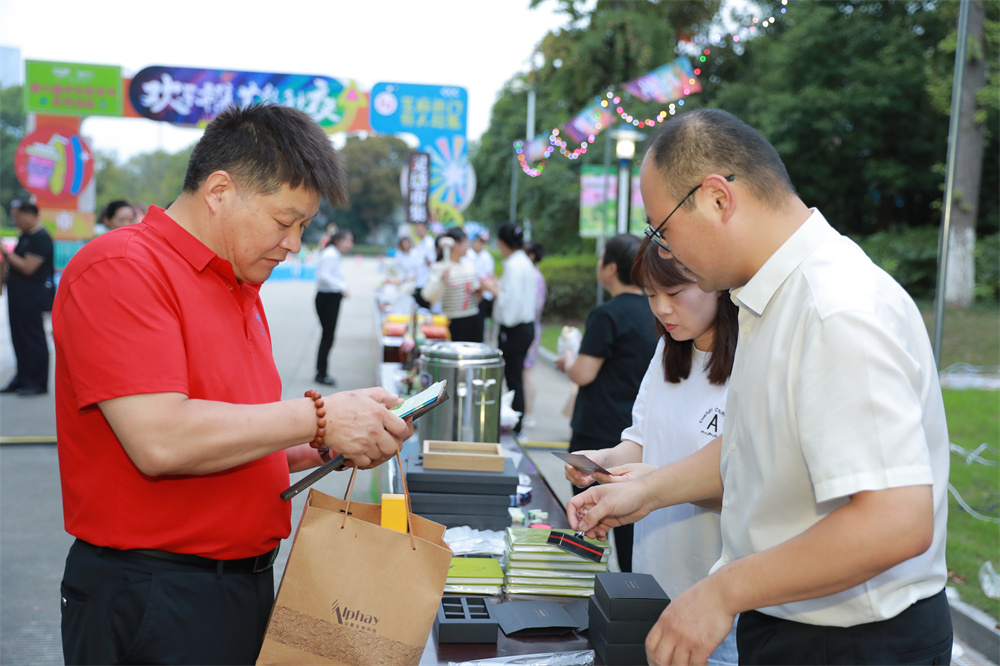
x=679, y=409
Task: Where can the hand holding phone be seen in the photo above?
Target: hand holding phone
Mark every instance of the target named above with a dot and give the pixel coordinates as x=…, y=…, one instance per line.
x=421, y=403
x=415, y=406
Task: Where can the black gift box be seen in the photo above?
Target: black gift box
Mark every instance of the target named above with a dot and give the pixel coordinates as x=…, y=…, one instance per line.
x=422, y=480
x=460, y=503
x=616, y=631
x=476, y=522
x=465, y=620
x=618, y=654
x=629, y=596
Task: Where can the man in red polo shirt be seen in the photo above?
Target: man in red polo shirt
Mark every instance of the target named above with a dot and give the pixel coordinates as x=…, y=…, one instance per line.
x=174, y=443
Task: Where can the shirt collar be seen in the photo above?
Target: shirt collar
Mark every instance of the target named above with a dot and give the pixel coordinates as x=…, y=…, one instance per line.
x=193, y=250
x=757, y=293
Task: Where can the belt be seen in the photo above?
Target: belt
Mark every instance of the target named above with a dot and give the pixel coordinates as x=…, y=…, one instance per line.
x=256, y=564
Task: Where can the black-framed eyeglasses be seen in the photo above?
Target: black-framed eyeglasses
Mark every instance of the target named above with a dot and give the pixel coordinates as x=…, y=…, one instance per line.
x=655, y=236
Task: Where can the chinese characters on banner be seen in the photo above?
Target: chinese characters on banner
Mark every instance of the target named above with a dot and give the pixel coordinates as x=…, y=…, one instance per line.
x=192, y=97
x=74, y=89
x=436, y=116
x=418, y=186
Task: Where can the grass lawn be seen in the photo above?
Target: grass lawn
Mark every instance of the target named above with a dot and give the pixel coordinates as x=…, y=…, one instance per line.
x=973, y=420
x=968, y=336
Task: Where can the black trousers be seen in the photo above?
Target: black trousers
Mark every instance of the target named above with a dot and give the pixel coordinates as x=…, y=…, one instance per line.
x=624, y=533
x=466, y=329
x=514, y=342
x=420, y=300
x=921, y=634
x=328, y=309
x=121, y=608
x=25, y=307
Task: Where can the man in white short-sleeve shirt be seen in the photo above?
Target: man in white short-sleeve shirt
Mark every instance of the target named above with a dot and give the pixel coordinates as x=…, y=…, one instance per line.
x=833, y=463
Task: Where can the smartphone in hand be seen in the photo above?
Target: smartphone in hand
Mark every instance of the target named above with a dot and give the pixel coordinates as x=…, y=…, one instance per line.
x=421, y=403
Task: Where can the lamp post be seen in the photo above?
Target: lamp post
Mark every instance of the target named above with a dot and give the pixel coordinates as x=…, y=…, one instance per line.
x=519, y=86
x=625, y=140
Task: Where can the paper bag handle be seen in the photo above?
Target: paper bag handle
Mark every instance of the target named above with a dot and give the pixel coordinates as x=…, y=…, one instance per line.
x=406, y=494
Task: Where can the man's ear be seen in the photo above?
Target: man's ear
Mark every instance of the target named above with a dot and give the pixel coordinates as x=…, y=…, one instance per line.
x=721, y=195
x=218, y=186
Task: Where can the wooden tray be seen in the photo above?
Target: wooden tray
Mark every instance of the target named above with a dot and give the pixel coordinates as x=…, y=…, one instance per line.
x=467, y=456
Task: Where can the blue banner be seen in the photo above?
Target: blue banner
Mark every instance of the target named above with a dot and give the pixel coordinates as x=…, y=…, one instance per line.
x=436, y=115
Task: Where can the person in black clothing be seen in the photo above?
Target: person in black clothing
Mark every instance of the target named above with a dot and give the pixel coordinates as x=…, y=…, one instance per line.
x=30, y=275
x=618, y=343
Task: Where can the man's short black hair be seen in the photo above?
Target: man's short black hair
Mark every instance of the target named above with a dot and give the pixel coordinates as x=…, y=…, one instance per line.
x=511, y=235
x=265, y=146
x=340, y=235
x=705, y=141
x=27, y=207
x=620, y=250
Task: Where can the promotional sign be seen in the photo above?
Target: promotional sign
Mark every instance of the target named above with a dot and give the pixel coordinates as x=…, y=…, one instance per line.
x=193, y=97
x=599, y=203
x=53, y=165
x=436, y=115
x=665, y=84
x=74, y=89
x=67, y=224
x=591, y=121
x=418, y=181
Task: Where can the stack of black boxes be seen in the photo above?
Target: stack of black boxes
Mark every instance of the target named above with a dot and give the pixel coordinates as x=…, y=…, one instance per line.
x=456, y=497
x=622, y=610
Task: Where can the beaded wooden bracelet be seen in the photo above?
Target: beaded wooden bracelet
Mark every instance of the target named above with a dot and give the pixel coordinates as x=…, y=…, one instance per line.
x=318, y=441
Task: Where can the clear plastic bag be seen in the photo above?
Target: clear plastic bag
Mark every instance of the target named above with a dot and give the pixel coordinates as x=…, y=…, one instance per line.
x=989, y=580
x=569, y=338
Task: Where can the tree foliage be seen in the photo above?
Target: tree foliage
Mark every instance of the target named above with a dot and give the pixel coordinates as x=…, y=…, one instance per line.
x=611, y=42
x=147, y=178
x=373, y=166
x=839, y=90
x=839, y=87
x=12, y=130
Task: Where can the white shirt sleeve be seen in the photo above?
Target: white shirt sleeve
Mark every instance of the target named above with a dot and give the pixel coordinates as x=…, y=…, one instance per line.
x=654, y=373
x=860, y=418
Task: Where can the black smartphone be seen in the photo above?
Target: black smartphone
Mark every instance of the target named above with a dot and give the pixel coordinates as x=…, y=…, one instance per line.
x=580, y=463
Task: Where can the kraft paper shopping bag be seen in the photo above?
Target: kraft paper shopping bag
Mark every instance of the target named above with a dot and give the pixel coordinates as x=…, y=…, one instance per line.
x=355, y=592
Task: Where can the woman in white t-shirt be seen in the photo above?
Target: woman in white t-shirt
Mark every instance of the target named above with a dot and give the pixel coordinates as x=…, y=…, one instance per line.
x=679, y=409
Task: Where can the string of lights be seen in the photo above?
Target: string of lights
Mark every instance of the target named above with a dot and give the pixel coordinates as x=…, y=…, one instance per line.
x=616, y=100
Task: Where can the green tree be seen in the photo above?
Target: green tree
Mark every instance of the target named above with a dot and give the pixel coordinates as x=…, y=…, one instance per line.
x=154, y=178
x=839, y=90
x=602, y=46
x=13, y=125
x=980, y=99
x=373, y=168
